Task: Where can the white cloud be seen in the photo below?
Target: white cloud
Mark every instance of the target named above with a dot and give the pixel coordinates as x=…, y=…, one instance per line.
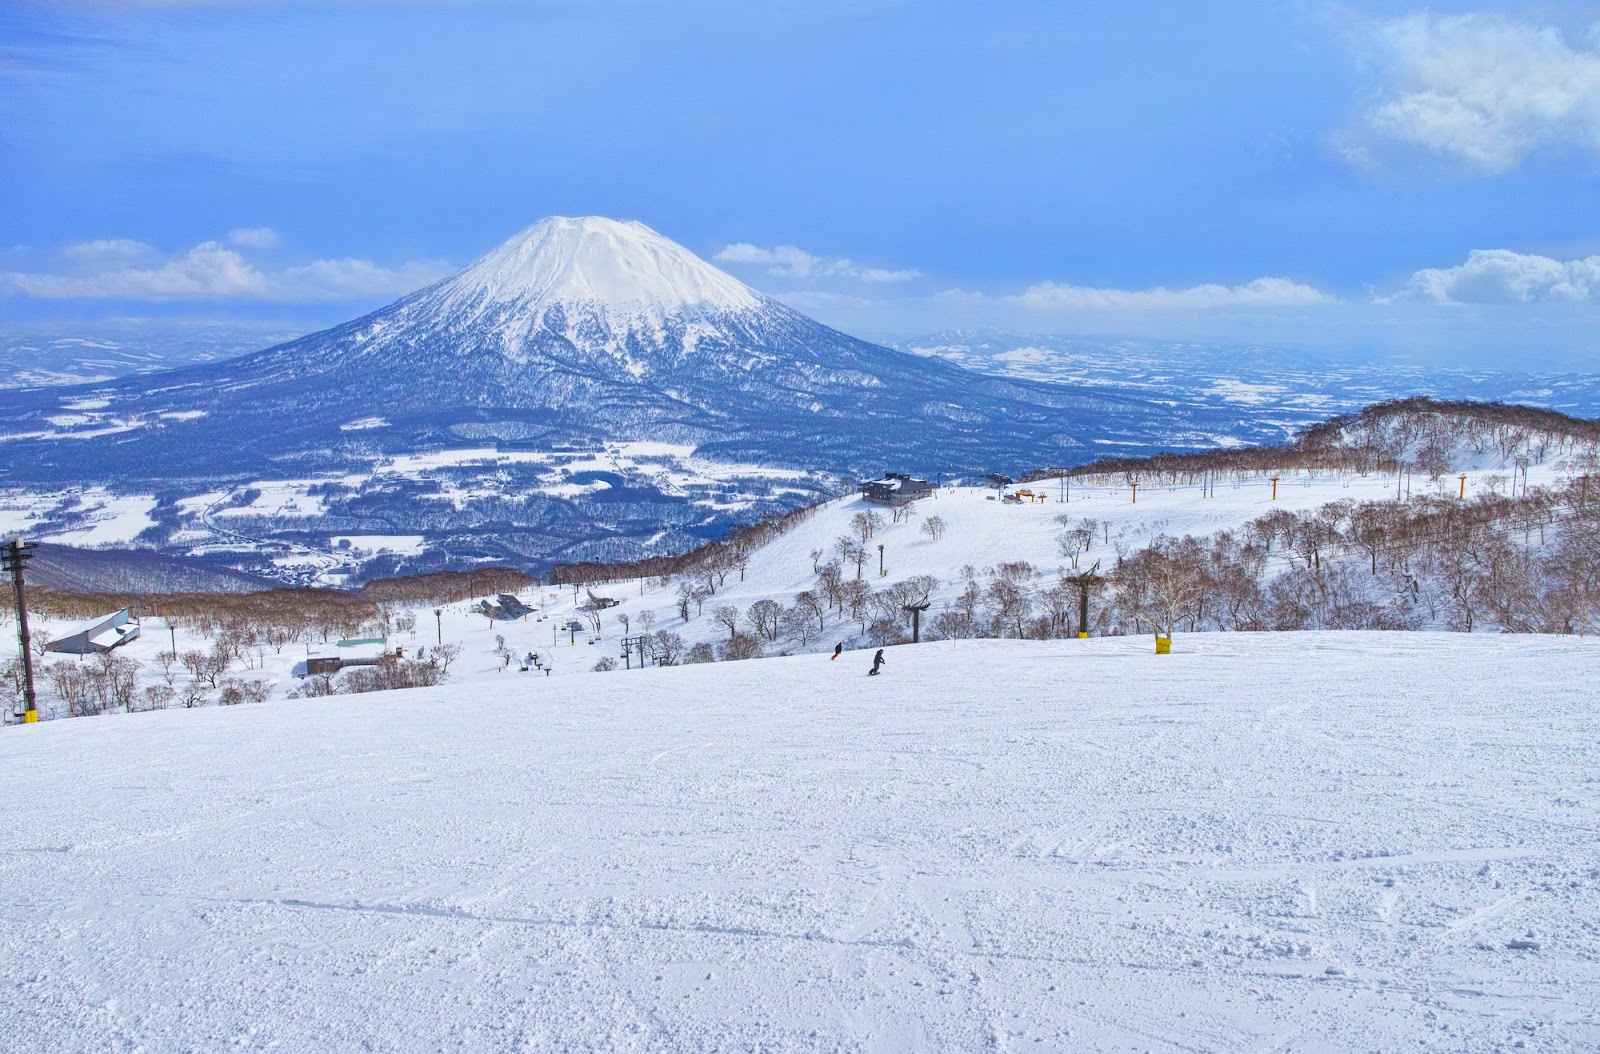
x=1261, y=293
x=107, y=252
x=813, y=301
x=789, y=261
x=255, y=238
x=1482, y=89
x=355, y=279
x=126, y=270
x=1500, y=276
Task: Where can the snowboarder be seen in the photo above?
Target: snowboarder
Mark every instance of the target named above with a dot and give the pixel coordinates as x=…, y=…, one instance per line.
x=837, y=648
x=877, y=661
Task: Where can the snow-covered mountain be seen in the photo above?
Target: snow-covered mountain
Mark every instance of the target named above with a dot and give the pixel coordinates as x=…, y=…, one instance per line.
x=575, y=330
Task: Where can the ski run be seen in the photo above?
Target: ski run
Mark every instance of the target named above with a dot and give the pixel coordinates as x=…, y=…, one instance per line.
x=1306, y=842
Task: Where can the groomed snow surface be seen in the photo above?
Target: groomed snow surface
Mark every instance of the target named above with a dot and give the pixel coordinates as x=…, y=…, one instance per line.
x=1289, y=842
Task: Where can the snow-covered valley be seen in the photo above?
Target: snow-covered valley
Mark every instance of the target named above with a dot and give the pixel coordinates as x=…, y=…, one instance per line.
x=1295, y=842
x=452, y=507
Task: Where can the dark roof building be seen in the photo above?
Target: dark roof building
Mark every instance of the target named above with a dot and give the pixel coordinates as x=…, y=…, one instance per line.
x=896, y=488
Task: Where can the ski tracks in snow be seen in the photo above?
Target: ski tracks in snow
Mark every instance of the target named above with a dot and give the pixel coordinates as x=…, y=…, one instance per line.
x=1305, y=843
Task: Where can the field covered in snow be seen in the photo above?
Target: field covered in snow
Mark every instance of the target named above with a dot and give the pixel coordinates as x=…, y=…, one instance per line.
x=1284, y=842
x=291, y=530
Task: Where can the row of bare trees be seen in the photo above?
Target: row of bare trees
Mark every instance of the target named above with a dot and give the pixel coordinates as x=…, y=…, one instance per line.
x=446, y=587
x=709, y=564
x=1527, y=564
x=1402, y=435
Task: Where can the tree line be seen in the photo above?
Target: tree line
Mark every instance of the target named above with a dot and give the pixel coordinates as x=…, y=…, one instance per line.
x=1413, y=435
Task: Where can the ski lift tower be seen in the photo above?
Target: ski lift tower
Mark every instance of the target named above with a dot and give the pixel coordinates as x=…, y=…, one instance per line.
x=13, y=556
x=1086, y=581
x=998, y=480
x=639, y=644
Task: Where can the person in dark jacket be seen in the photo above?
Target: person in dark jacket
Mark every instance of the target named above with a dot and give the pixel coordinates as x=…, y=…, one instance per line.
x=837, y=648
x=877, y=661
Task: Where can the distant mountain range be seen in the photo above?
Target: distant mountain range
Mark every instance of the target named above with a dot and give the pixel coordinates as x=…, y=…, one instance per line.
x=37, y=354
x=1260, y=387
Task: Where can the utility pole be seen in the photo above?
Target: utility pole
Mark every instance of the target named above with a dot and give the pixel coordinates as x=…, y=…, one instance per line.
x=880, y=559
x=438, y=624
x=16, y=553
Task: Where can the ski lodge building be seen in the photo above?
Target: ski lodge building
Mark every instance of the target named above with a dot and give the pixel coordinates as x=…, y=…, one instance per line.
x=896, y=488
x=103, y=634
x=357, y=651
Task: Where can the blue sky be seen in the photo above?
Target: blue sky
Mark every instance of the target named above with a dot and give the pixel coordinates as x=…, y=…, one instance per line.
x=1417, y=182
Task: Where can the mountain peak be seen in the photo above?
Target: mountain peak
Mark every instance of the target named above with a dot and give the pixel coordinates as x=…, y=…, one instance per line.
x=613, y=266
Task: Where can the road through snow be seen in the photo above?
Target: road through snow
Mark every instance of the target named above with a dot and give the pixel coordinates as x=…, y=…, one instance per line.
x=1269, y=842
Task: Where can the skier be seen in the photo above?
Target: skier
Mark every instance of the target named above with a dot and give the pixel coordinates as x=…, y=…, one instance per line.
x=877, y=661
x=837, y=648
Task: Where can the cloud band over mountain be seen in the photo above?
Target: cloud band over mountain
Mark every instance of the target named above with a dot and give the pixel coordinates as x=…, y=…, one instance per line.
x=125, y=269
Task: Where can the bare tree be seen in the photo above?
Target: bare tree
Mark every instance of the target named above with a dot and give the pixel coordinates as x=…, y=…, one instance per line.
x=166, y=660
x=728, y=616
x=739, y=646
x=1077, y=539
x=157, y=697
x=119, y=679
x=205, y=666
x=444, y=655
x=851, y=551
x=763, y=615
x=1011, y=606
x=934, y=527
x=668, y=647
x=857, y=598
x=1058, y=604
x=866, y=524
x=1159, y=586
x=799, y=624
x=831, y=578
x=885, y=630
x=807, y=601
x=235, y=691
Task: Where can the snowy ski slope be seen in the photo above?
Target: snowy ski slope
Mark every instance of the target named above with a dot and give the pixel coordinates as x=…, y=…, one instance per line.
x=1284, y=842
